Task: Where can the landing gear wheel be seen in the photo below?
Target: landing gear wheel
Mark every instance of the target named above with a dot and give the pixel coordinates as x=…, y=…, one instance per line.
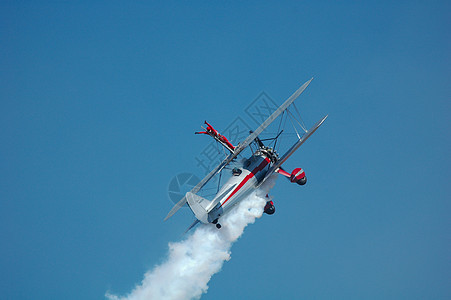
x=218, y=226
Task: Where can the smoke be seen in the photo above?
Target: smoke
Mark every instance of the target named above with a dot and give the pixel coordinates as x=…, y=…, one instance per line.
x=193, y=261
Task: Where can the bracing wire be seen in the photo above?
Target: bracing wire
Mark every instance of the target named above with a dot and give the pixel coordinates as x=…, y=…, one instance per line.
x=219, y=182
x=294, y=118
x=278, y=129
x=291, y=117
x=300, y=118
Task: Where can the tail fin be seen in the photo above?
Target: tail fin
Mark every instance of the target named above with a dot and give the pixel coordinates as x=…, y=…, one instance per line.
x=199, y=206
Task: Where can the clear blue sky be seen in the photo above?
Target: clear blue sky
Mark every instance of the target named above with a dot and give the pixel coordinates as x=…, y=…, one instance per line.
x=99, y=102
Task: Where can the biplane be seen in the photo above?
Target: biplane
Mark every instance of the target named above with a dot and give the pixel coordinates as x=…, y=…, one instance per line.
x=251, y=173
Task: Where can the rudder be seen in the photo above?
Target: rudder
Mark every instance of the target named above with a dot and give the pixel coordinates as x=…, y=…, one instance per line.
x=199, y=206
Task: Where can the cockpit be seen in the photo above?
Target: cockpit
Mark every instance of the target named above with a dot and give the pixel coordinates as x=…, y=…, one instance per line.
x=236, y=171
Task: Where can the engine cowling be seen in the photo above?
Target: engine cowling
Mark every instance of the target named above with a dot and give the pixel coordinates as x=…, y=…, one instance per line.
x=298, y=176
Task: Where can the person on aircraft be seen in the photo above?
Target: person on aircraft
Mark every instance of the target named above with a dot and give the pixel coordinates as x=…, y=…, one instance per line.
x=213, y=132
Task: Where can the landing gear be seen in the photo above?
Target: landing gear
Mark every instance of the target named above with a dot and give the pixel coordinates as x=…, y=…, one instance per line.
x=269, y=208
x=215, y=221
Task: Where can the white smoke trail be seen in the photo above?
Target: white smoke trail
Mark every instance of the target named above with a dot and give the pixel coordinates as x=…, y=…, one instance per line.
x=192, y=262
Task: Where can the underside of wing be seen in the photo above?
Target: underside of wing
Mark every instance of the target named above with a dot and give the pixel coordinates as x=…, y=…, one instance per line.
x=176, y=208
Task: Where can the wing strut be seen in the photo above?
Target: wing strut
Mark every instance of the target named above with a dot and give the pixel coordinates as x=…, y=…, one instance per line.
x=292, y=149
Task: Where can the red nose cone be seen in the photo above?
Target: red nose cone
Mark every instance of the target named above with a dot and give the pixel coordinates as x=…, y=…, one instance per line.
x=297, y=174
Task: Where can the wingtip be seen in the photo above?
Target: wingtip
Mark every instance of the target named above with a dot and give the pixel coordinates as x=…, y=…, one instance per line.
x=167, y=217
x=320, y=122
x=310, y=80
x=307, y=83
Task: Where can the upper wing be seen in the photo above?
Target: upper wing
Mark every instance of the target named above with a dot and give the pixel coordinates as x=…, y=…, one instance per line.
x=241, y=147
x=272, y=117
x=293, y=149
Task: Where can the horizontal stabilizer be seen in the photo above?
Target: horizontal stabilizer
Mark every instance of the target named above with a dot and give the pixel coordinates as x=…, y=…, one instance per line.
x=176, y=208
x=191, y=226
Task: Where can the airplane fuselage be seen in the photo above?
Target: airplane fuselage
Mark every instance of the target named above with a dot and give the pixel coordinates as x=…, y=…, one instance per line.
x=243, y=182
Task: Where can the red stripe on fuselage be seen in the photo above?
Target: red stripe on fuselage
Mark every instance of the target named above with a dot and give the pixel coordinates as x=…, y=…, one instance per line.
x=246, y=179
